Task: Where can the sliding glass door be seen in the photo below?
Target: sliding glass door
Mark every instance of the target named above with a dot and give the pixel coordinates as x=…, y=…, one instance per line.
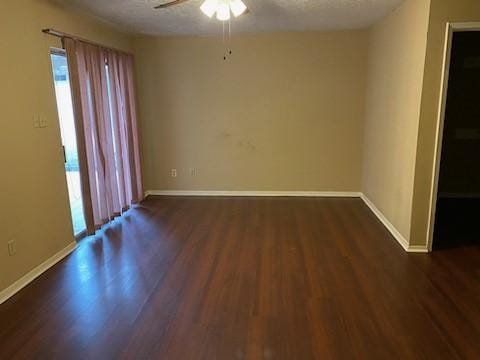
x=69, y=140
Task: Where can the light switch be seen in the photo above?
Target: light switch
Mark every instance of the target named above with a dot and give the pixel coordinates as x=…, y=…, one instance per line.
x=36, y=121
x=40, y=121
x=43, y=121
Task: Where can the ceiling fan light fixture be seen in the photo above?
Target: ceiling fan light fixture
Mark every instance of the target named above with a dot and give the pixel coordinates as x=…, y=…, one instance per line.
x=238, y=7
x=209, y=7
x=223, y=11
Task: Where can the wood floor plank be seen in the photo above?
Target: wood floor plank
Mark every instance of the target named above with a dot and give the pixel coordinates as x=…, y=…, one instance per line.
x=248, y=278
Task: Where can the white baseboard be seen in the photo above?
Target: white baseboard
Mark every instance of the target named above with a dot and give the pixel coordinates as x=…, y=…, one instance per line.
x=395, y=233
x=350, y=194
x=40, y=269
x=36, y=272
x=253, y=193
x=418, y=249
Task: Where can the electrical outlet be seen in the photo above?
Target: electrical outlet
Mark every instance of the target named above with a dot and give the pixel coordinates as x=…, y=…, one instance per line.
x=173, y=173
x=12, y=248
x=193, y=172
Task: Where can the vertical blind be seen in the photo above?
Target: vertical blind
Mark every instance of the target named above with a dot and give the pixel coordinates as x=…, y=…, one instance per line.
x=103, y=94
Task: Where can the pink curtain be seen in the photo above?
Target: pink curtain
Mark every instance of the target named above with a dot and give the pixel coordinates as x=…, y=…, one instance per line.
x=104, y=100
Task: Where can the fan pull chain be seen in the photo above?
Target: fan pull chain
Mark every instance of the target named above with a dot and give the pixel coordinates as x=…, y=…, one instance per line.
x=223, y=41
x=229, y=37
x=227, y=40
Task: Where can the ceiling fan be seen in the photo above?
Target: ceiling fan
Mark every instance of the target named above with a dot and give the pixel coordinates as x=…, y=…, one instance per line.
x=222, y=8
x=169, y=4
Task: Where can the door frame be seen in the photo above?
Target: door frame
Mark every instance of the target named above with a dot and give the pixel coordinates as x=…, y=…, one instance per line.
x=451, y=28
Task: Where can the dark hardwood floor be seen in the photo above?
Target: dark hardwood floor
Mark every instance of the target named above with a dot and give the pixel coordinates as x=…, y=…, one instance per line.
x=248, y=278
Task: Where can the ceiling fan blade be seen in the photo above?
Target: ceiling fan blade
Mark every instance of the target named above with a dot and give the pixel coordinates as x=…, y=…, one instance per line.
x=168, y=4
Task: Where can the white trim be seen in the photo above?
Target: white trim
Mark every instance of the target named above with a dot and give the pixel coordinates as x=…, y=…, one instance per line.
x=36, y=272
x=450, y=29
x=40, y=269
x=464, y=26
x=422, y=249
x=391, y=228
x=350, y=194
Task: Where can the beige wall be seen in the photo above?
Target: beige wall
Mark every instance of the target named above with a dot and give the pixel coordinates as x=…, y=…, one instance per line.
x=442, y=11
x=284, y=113
x=33, y=190
x=395, y=73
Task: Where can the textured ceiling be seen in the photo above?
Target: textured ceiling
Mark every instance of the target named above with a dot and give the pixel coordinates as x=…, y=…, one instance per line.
x=138, y=16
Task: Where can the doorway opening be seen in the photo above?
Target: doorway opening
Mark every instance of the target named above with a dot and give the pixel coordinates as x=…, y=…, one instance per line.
x=69, y=140
x=456, y=202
